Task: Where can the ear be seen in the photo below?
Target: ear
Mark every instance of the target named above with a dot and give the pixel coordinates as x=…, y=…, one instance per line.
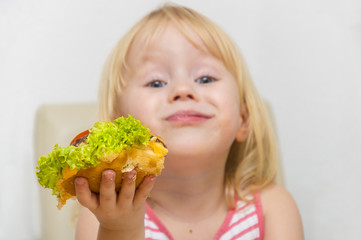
x=243, y=130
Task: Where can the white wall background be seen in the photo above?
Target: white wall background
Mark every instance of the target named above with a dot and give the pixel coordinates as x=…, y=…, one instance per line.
x=305, y=58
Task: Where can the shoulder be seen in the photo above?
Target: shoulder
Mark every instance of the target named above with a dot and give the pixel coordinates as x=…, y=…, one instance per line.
x=282, y=219
x=276, y=195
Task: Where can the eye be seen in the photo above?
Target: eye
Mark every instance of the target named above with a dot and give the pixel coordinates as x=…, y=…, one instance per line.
x=205, y=80
x=156, y=84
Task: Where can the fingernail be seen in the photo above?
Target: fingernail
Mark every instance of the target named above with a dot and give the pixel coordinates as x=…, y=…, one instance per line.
x=132, y=176
x=109, y=175
x=151, y=178
x=79, y=181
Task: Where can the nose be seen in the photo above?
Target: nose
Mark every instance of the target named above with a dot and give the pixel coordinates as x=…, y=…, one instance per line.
x=183, y=91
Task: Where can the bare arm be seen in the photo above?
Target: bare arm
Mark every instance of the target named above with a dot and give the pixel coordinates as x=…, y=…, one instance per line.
x=87, y=226
x=281, y=216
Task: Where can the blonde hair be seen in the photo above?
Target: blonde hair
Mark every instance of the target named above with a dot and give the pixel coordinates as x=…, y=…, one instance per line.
x=251, y=164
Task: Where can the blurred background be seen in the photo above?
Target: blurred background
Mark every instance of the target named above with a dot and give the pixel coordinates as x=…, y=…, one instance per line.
x=304, y=56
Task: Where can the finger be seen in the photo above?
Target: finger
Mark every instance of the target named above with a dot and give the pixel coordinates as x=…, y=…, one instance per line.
x=126, y=193
x=84, y=195
x=143, y=191
x=107, y=194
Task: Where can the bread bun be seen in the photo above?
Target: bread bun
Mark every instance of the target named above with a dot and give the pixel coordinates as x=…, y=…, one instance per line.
x=121, y=145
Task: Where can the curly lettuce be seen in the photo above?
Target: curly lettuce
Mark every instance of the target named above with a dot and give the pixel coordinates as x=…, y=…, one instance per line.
x=104, y=137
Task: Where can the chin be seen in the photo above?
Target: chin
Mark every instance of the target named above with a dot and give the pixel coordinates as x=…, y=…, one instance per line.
x=189, y=150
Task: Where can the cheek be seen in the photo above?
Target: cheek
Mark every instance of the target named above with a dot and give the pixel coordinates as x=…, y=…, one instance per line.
x=140, y=106
x=130, y=104
x=228, y=102
x=228, y=99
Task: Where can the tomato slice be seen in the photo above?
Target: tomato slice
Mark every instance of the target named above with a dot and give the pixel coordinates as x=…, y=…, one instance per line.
x=80, y=135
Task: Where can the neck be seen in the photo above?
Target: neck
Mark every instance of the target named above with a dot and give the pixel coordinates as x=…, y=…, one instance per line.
x=189, y=195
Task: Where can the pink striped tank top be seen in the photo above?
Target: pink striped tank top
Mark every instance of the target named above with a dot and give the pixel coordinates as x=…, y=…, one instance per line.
x=245, y=222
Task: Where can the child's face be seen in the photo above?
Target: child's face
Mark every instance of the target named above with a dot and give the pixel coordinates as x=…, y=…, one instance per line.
x=183, y=94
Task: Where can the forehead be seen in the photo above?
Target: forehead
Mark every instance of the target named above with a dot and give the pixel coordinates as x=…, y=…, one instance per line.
x=152, y=35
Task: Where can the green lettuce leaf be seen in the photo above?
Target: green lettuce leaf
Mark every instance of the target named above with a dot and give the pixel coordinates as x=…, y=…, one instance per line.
x=105, y=137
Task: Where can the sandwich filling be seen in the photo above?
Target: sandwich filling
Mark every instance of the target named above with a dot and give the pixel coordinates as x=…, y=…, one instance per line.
x=122, y=145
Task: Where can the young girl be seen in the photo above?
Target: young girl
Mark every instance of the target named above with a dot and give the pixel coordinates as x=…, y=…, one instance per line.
x=183, y=77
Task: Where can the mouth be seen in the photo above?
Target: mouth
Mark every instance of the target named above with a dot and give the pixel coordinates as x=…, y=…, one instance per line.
x=188, y=117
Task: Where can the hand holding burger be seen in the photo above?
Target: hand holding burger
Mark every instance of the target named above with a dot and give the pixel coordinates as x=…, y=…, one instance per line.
x=123, y=145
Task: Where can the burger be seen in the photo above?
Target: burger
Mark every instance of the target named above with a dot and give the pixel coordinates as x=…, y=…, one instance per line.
x=122, y=145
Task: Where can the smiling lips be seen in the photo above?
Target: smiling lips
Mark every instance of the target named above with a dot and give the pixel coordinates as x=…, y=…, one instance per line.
x=188, y=117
